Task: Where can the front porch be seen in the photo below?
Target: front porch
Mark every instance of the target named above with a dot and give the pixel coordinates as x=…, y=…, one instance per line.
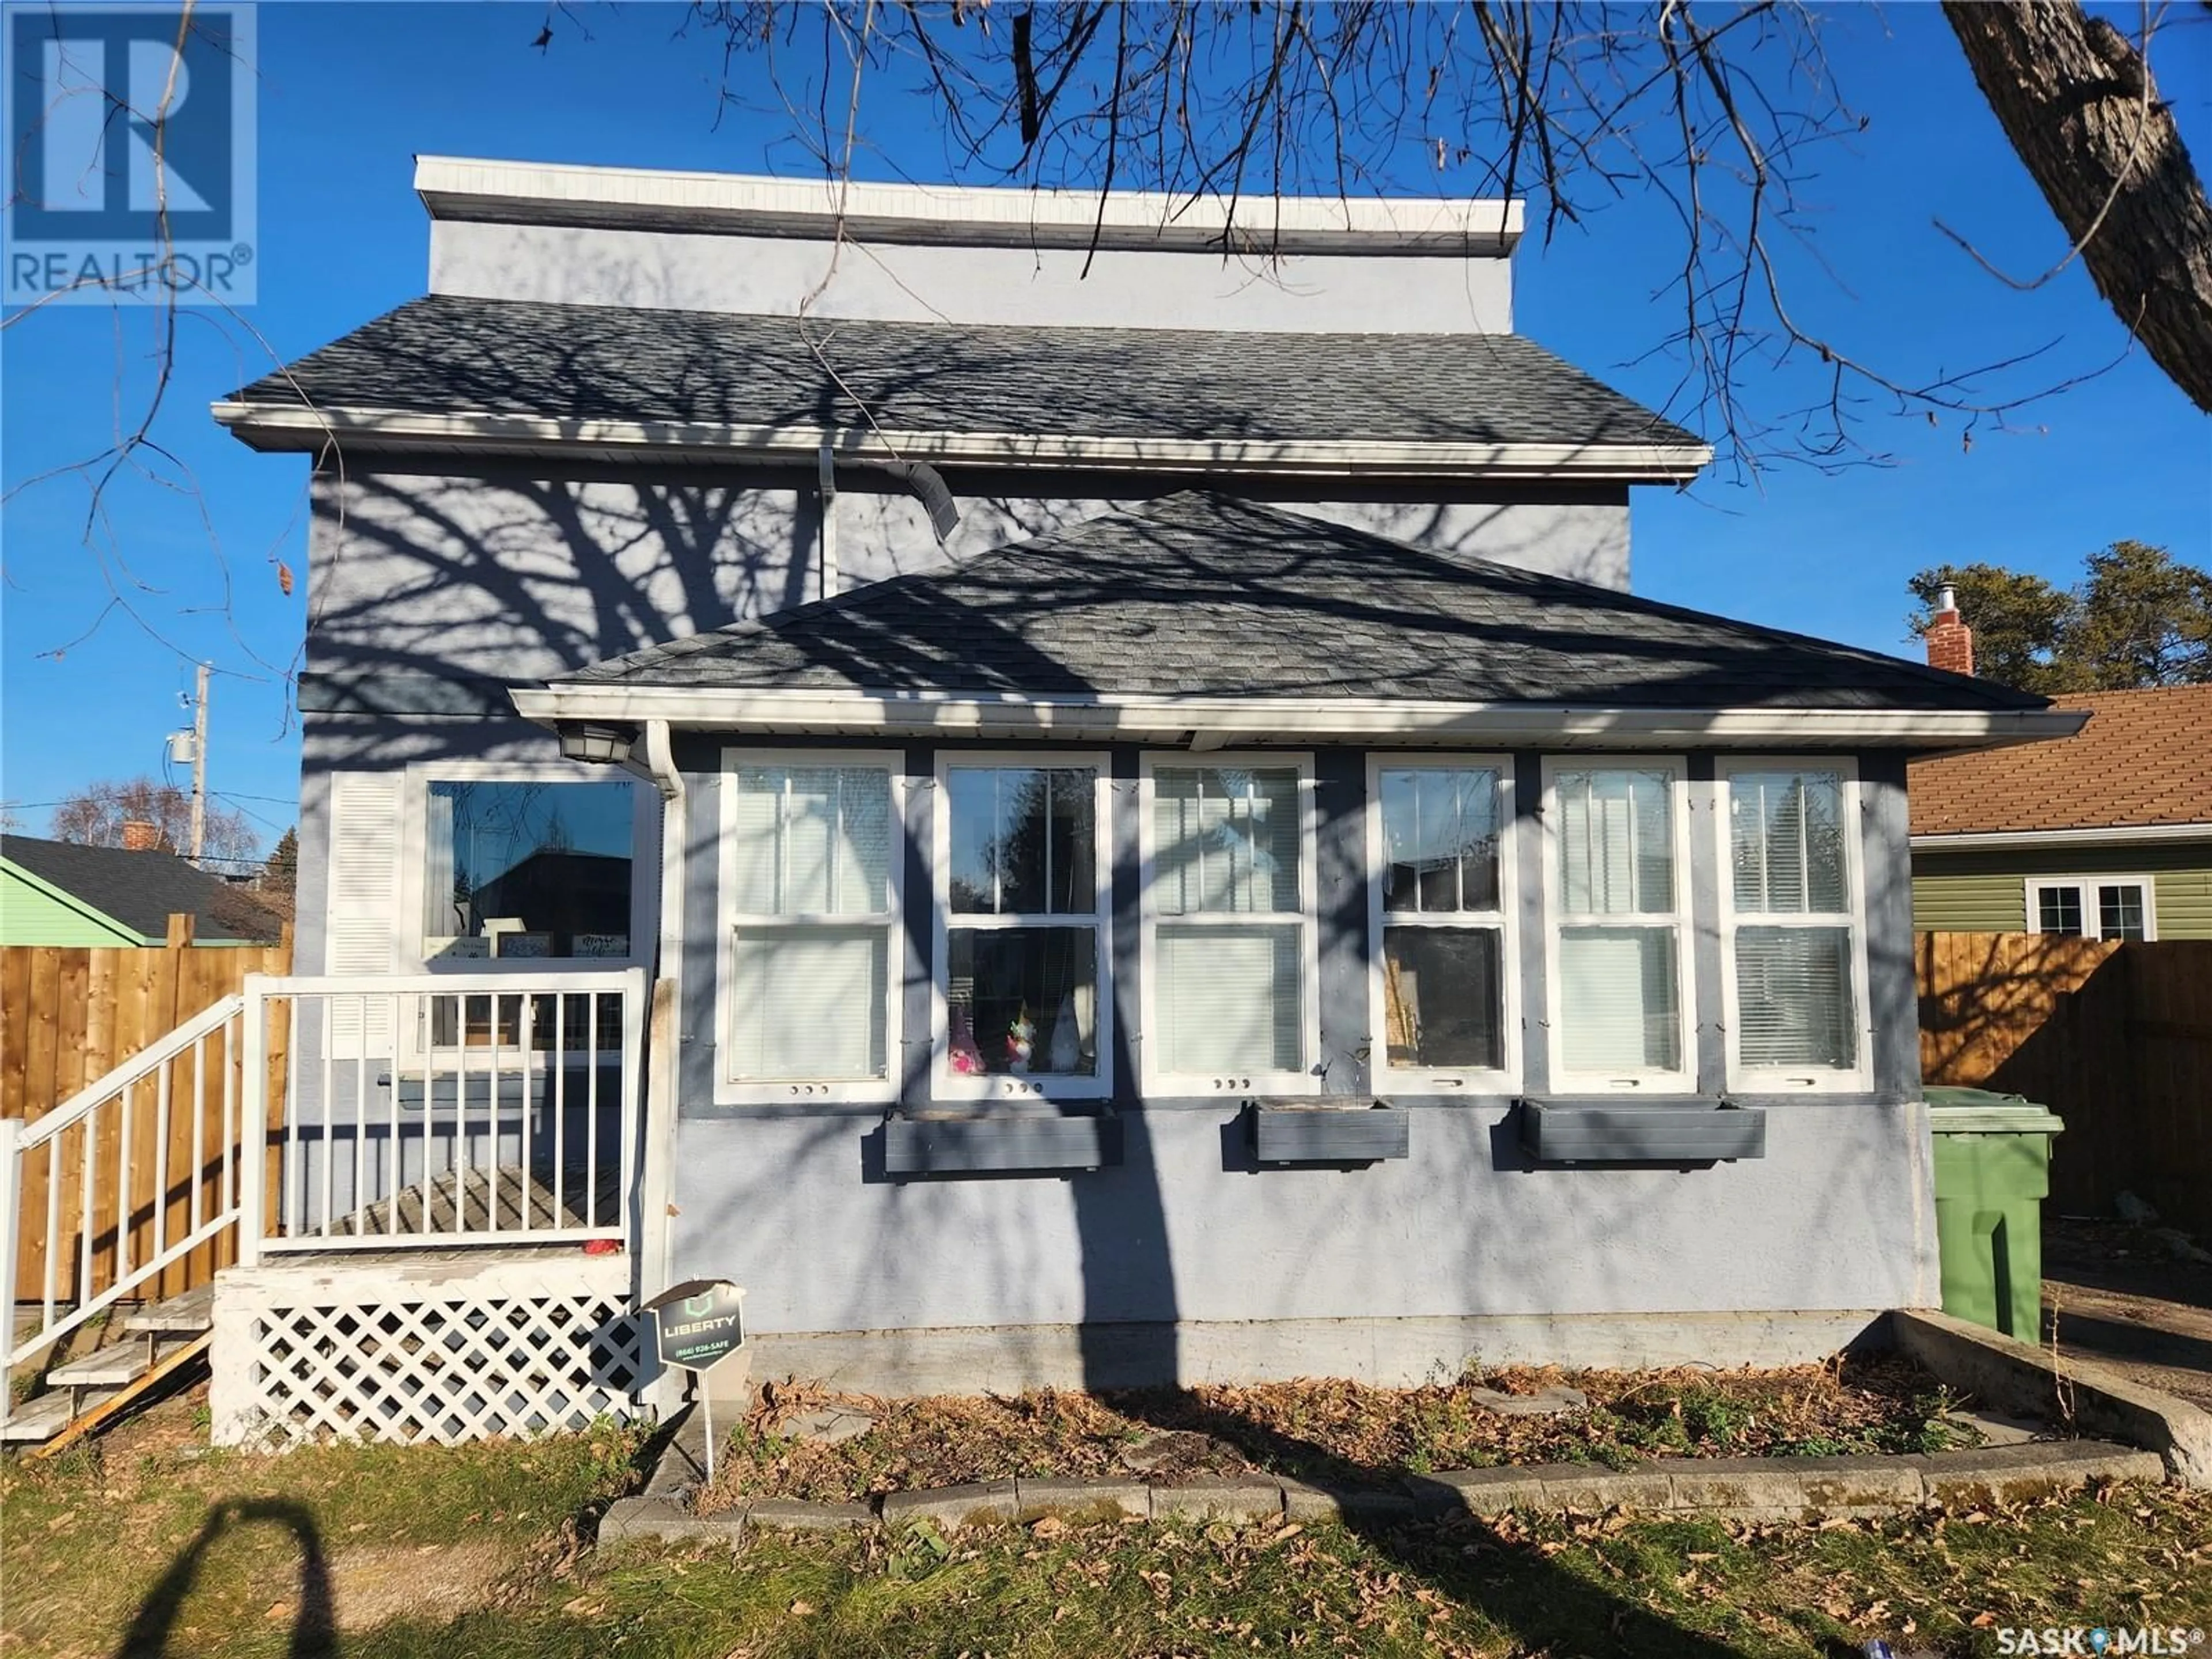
x=411, y=1206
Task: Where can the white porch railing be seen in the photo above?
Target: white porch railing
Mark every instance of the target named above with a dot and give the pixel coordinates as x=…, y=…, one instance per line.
x=444, y=1110
x=331, y=1113
x=118, y=1194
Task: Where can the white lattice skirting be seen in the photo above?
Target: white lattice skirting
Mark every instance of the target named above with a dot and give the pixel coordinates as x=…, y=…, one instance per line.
x=465, y=1346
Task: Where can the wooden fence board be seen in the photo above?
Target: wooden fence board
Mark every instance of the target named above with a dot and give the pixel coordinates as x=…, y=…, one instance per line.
x=2115, y=1037
x=68, y=1016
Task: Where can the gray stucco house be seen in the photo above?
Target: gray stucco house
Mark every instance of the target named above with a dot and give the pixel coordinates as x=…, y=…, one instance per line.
x=1168, y=845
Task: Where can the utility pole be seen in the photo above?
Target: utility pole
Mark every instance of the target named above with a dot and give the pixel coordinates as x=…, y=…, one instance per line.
x=199, y=762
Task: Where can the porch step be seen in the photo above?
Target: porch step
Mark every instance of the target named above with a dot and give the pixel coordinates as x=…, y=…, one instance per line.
x=109, y=1367
x=40, y=1420
x=180, y=1315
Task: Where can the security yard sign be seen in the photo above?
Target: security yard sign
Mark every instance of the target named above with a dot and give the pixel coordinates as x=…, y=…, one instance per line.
x=698, y=1322
x=696, y=1326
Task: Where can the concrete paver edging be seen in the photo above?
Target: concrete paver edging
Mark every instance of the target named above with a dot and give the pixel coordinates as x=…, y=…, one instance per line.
x=2012, y=1375
x=1736, y=1488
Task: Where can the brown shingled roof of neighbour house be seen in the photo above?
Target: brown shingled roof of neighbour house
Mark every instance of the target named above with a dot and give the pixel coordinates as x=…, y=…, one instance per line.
x=2145, y=758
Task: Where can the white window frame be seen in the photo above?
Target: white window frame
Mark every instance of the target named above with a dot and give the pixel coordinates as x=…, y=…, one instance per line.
x=2092, y=918
x=1795, y=1079
x=1638, y=1080
x=415, y=849
x=1154, y=1078
x=411, y=1042
x=1440, y=1079
x=732, y=1090
x=944, y=1082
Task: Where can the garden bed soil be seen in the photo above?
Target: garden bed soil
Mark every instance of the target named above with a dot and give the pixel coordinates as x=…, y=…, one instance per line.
x=1333, y=1431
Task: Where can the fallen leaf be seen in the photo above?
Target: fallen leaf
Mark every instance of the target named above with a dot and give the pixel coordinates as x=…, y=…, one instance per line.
x=801, y=1609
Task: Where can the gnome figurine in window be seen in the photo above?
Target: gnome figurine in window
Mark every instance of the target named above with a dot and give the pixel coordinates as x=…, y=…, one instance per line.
x=1021, y=1042
x=967, y=1060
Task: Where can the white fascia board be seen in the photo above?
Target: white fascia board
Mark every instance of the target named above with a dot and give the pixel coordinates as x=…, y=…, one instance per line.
x=515, y=192
x=273, y=428
x=2117, y=835
x=1218, y=722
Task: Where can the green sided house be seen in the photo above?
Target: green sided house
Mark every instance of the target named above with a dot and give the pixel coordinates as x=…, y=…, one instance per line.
x=57, y=892
x=2107, y=834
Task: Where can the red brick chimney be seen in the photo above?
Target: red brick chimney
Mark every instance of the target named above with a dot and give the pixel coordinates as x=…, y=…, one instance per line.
x=139, y=836
x=1950, y=642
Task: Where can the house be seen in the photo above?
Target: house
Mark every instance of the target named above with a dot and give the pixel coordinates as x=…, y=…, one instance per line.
x=2107, y=834
x=1163, y=845
x=58, y=893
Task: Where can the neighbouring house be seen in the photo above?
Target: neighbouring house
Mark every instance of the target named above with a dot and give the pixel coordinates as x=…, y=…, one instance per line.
x=58, y=893
x=2105, y=834
x=1164, y=845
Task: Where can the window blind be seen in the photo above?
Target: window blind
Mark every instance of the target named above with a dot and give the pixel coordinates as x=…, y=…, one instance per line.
x=1793, y=1004
x=811, y=1002
x=1617, y=999
x=1224, y=839
x=1228, y=998
x=1789, y=875
x=1616, y=841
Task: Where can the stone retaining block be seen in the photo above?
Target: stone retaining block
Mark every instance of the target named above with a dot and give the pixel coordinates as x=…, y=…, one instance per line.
x=1738, y=1488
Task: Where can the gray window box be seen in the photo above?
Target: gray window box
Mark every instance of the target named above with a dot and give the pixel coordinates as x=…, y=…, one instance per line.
x=1605, y=1131
x=999, y=1143
x=1363, y=1132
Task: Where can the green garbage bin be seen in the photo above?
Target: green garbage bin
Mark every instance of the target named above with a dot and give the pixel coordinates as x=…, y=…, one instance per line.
x=1992, y=1174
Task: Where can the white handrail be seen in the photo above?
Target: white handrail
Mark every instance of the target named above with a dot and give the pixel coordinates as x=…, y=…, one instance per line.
x=80, y=1105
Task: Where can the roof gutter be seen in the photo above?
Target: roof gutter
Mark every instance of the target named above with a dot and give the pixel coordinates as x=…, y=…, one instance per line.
x=285, y=426
x=2006, y=840
x=1215, y=722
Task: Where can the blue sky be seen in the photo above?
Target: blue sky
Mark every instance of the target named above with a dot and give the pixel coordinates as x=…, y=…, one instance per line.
x=350, y=92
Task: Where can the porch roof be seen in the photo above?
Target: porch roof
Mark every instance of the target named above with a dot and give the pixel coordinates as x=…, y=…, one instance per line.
x=1199, y=595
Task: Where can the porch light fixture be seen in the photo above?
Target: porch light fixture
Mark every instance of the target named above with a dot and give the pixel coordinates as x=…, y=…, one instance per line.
x=602, y=745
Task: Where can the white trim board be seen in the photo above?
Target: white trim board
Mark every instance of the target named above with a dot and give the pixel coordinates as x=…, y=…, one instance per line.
x=454, y=187
x=1212, y=722
x=288, y=427
x=2005, y=841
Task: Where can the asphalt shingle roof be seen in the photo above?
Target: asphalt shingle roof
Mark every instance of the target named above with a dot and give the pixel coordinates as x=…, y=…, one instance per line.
x=1202, y=595
x=2143, y=760
x=142, y=890
x=448, y=353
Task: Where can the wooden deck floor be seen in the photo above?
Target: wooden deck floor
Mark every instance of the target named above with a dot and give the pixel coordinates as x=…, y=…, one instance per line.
x=463, y=1201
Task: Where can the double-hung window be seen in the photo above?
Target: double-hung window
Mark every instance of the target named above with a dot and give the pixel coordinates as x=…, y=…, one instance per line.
x=810, y=878
x=1442, y=918
x=1229, y=942
x=1791, y=938
x=1023, y=1005
x=1618, y=943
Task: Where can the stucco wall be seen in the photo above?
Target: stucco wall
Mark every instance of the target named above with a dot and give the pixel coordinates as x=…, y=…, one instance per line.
x=1126, y=287
x=518, y=572
x=793, y=1201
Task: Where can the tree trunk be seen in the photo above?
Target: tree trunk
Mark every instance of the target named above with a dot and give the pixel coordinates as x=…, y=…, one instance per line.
x=2070, y=92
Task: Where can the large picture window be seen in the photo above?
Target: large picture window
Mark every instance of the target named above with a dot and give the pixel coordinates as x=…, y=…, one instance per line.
x=1022, y=877
x=1228, y=918
x=525, y=869
x=1620, y=964
x=1441, y=914
x=1791, y=930
x=809, y=877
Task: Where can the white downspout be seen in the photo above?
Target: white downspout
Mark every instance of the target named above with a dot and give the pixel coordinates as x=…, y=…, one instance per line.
x=657, y=1172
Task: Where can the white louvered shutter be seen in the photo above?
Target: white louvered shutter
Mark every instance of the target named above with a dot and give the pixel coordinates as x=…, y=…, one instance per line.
x=362, y=920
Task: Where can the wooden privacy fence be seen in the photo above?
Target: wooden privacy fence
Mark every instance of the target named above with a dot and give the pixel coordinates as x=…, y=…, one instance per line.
x=2116, y=1038
x=68, y=1016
